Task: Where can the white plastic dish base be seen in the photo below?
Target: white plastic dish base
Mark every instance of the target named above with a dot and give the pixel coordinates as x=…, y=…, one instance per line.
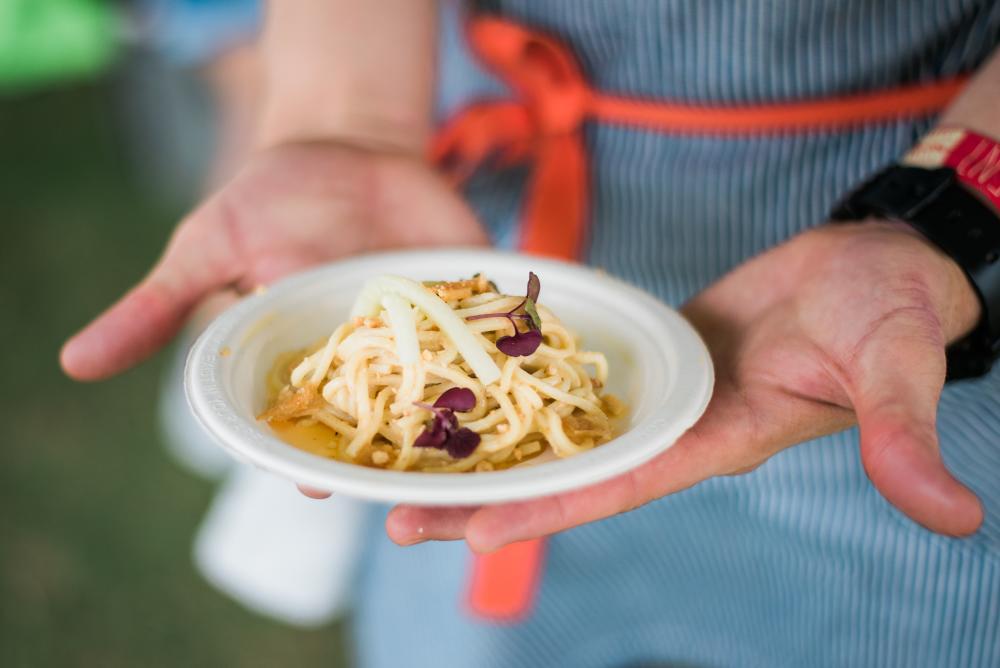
x=659, y=368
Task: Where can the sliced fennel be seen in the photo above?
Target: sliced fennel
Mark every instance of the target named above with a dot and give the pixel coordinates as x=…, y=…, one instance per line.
x=372, y=298
x=404, y=327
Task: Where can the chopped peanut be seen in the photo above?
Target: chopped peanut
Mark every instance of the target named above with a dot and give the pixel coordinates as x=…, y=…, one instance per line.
x=380, y=458
x=484, y=466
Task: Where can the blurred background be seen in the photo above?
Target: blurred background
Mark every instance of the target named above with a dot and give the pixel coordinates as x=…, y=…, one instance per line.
x=114, y=117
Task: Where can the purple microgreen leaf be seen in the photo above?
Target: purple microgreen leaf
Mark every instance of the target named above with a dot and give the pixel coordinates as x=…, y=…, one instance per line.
x=521, y=344
x=433, y=436
x=534, y=286
x=462, y=443
x=459, y=399
x=532, y=312
x=444, y=425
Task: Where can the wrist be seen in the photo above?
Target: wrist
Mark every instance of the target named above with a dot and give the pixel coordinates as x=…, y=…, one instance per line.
x=351, y=71
x=956, y=300
x=964, y=228
x=285, y=119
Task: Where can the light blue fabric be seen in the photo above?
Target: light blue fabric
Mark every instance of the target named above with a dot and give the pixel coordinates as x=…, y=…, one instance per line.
x=800, y=563
x=190, y=32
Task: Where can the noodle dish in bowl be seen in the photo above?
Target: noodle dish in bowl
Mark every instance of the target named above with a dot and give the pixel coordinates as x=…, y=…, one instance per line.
x=448, y=377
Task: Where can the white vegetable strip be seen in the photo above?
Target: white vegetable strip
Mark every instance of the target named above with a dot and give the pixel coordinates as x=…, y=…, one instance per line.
x=404, y=328
x=368, y=303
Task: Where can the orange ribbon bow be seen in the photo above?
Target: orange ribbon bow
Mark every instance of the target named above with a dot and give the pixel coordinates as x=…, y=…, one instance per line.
x=553, y=101
x=543, y=125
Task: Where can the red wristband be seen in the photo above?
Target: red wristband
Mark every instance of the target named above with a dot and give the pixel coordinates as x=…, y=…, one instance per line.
x=975, y=159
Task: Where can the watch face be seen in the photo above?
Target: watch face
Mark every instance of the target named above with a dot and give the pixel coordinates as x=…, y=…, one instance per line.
x=904, y=192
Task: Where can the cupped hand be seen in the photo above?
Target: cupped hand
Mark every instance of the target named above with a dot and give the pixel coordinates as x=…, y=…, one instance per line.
x=290, y=207
x=841, y=325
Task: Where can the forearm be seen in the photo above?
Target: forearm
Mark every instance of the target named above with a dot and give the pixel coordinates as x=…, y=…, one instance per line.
x=350, y=70
x=978, y=107
x=234, y=79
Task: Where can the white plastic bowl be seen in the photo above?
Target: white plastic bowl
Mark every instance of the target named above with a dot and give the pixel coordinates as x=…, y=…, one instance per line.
x=658, y=366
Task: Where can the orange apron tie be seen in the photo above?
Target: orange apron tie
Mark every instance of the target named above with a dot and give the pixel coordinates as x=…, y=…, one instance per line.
x=543, y=125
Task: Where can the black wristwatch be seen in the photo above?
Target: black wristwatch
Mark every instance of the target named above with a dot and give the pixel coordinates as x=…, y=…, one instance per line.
x=935, y=203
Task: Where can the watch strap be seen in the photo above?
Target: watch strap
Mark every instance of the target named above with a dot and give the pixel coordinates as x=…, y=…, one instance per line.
x=974, y=157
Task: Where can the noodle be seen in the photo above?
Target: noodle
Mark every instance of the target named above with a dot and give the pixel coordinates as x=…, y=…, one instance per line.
x=362, y=385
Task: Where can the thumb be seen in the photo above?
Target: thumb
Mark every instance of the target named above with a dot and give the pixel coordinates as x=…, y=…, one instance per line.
x=200, y=257
x=897, y=379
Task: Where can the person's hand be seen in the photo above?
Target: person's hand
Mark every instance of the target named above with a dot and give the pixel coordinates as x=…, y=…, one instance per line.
x=290, y=207
x=841, y=325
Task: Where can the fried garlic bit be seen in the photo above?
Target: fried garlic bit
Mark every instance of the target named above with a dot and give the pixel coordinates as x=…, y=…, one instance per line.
x=455, y=290
x=293, y=403
x=580, y=427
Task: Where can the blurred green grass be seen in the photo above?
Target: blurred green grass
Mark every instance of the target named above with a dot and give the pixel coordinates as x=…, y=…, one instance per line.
x=95, y=522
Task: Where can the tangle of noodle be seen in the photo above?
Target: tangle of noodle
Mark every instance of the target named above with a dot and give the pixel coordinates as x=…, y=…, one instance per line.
x=357, y=391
